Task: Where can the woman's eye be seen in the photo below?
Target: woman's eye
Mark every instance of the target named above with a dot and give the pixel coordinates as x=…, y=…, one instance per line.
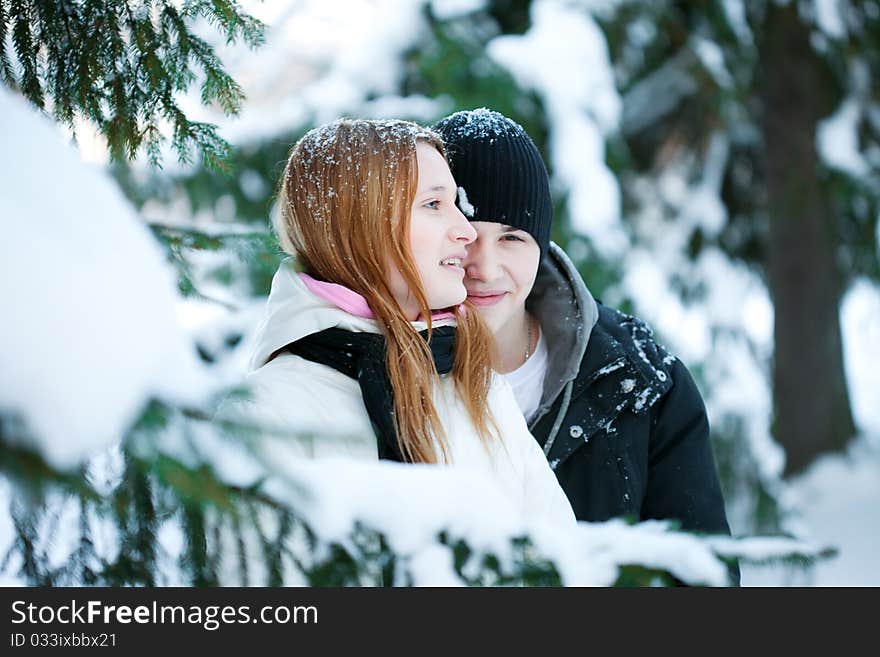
x=432, y=205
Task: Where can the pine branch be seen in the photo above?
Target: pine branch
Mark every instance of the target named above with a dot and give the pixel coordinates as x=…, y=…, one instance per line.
x=196, y=556
x=240, y=551
x=120, y=65
x=230, y=18
x=7, y=76
x=157, y=487
x=29, y=471
x=26, y=50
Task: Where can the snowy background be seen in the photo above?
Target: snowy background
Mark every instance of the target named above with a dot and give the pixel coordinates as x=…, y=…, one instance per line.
x=101, y=328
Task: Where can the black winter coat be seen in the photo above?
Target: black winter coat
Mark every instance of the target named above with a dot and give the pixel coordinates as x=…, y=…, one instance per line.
x=628, y=434
x=613, y=458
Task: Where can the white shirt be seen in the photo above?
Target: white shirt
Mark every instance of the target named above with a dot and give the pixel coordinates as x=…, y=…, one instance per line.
x=527, y=380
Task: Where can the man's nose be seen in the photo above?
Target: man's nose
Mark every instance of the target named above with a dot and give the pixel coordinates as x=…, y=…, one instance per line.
x=480, y=263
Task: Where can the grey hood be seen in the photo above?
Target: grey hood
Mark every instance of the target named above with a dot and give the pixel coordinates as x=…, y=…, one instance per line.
x=567, y=313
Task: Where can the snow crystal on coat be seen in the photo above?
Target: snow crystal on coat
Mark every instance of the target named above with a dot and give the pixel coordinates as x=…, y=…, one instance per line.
x=611, y=367
x=642, y=398
x=641, y=328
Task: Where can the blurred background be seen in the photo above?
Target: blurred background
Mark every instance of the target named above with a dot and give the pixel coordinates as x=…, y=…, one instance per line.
x=715, y=166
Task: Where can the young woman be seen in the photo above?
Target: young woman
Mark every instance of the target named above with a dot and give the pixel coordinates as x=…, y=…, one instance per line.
x=368, y=352
x=620, y=420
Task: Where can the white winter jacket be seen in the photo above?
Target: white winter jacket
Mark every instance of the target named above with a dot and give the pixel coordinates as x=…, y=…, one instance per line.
x=325, y=409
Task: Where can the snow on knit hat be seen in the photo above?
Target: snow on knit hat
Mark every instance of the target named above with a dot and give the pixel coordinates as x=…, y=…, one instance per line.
x=499, y=172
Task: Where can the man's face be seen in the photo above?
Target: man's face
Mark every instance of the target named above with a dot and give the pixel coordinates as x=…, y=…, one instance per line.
x=500, y=271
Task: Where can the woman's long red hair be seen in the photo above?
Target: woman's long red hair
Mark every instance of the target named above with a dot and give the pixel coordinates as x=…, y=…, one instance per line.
x=346, y=200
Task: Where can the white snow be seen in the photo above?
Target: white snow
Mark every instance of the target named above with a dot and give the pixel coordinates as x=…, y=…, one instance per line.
x=657, y=94
x=723, y=324
x=712, y=58
x=410, y=503
x=860, y=328
x=836, y=498
x=837, y=140
x=563, y=57
x=828, y=18
x=645, y=280
x=707, y=209
x=463, y=203
x=223, y=334
x=837, y=503
x=735, y=12
x=448, y=9
x=252, y=184
x=322, y=60
x=727, y=328
x=90, y=334
x=415, y=107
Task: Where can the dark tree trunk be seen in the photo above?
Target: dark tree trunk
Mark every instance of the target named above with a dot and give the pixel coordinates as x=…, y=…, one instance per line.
x=809, y=389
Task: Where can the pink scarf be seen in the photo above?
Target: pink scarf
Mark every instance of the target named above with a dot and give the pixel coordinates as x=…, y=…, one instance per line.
x=352, y=302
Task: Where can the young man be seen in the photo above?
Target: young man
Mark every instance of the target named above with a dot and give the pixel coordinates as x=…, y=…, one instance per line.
x=619, y=418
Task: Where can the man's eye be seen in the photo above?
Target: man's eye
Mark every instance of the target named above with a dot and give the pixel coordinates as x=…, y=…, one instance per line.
x=512, y=238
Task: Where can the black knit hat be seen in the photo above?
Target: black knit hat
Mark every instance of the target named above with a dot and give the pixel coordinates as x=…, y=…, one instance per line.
x=500, y=170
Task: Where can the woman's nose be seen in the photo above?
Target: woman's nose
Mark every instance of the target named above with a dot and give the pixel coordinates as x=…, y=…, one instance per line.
x=463, y=231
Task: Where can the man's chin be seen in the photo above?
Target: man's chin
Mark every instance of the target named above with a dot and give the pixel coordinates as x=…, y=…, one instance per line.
x=494, y=320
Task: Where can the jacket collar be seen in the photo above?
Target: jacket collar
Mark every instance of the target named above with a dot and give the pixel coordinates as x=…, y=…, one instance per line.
x=622, y=370
x=567, y=313
x=294, y=311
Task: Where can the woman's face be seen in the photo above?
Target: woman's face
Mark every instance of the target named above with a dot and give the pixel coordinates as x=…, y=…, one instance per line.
x=500, y=271
x=439, y=234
